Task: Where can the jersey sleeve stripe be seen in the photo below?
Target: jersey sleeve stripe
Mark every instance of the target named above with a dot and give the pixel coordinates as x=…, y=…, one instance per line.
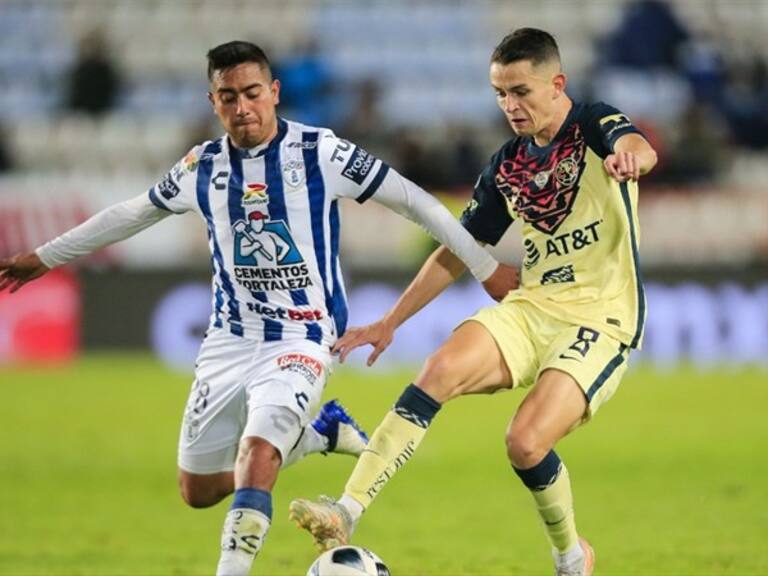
x=374, y=185
x=156, y=201
x=204, y=173
x=636, y=265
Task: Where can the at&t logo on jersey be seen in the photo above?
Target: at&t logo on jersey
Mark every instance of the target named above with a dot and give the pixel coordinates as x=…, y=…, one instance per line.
x=562, y=244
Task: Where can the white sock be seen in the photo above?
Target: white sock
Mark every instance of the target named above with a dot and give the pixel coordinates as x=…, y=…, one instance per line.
x=311, y=441
x=241, y=539
x=574, y=555
x=354, y=507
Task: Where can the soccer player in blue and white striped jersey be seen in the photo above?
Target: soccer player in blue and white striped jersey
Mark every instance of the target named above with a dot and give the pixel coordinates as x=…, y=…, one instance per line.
x=268, y=192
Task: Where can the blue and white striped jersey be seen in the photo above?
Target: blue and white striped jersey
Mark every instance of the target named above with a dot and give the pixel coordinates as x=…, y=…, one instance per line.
x=273, y=227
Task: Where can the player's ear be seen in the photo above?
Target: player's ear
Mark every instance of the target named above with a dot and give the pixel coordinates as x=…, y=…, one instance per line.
x=558, y=82
x=210, y=98
x=275, y=89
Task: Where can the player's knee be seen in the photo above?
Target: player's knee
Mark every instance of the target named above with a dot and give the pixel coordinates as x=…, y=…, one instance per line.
x=438, y=377
x=524, y=448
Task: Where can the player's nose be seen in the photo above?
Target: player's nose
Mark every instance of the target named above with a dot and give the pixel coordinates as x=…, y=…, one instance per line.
x=510, y=104
x=242, y=108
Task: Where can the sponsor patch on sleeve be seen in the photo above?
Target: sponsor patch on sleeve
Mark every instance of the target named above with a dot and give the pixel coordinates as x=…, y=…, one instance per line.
x=613, y=123
x=470, y=209
x=167, y=187
x=358, y=166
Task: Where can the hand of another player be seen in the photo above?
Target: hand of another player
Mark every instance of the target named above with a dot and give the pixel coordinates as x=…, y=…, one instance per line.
x=379, y=335
x=20, y=269
x=622, y=166
x=503, y=279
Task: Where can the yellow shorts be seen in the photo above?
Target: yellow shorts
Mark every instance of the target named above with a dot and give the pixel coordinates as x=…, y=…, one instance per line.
x=532, y=341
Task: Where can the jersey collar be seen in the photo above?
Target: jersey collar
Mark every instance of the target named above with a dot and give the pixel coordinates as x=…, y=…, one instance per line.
x=258, y=151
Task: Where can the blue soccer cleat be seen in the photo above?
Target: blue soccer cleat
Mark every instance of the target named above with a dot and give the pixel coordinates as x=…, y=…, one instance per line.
x=343, y=433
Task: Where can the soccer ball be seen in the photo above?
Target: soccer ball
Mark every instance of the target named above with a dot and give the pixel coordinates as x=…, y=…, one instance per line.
x=348, y=561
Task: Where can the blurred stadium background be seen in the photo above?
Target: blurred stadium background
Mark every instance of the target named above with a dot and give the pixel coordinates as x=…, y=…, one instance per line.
x=99, y=98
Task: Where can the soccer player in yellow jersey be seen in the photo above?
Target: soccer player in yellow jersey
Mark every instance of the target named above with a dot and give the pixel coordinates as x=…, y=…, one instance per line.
x=570, y=174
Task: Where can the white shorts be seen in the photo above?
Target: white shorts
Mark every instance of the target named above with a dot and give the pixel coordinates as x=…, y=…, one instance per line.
x=249, y=388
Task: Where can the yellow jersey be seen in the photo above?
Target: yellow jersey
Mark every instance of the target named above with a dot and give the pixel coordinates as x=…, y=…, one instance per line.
x=579, y=226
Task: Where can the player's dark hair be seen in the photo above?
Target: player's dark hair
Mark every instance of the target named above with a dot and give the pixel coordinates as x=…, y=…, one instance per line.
x=526, y=44
x=233, y=53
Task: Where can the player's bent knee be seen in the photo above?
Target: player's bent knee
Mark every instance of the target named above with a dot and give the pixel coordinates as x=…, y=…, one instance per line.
x=439, y=377
x=524, y=448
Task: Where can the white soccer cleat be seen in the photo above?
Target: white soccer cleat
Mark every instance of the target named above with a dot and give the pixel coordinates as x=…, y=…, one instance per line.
x=328, y=521
x=343, y=433
x=582, y=566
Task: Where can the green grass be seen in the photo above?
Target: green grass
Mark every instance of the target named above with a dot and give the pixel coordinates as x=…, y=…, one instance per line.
x=670, y=478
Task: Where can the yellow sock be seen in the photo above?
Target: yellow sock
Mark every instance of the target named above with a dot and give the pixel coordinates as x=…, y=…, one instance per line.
x=392, y=445
x=550, y=485
x=555, y=506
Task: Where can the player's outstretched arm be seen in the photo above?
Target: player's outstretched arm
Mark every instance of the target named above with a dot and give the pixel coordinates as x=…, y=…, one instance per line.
x=20, y=269
x=632, y=157
x=107, y=227
x=441, y=269
x=111, y=225
x=409, y=200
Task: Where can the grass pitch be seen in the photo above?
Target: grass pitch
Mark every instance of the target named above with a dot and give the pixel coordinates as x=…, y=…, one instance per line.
x=670, y=478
